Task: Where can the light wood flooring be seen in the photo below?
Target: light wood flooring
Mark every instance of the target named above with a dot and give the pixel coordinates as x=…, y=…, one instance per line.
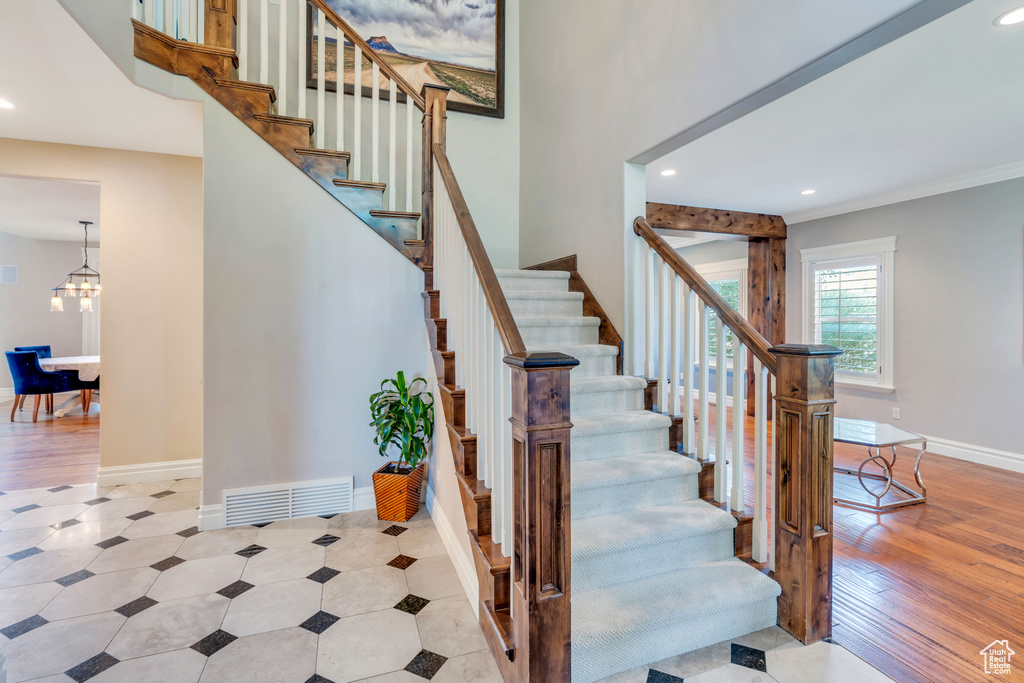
x=50, y=452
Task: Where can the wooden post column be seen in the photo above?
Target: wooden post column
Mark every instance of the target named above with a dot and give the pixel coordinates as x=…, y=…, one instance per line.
x=435, y=112
x=804, y=403
x=219, y=26
x=766, y=300
x=541, y=618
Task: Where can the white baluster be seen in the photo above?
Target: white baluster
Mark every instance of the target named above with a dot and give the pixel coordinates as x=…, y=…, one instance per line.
x=506, y=449
x=375, y=124
x=688, y=343
x=182, y=20
x=663, y=337
x=674, y=349
x=739, y=366
x=148, y=17
x=321, y=79
x=392, y=138
x=357, y=115
x=200, y=21
x=721, y=475
x=282, y=59
x=488, y=387
x=704, y=360
x=339, y=92
x=168, y=16
x=265, y=42
x=301, y=80
x=649, y=257
x=759, y=549
x=409, y=110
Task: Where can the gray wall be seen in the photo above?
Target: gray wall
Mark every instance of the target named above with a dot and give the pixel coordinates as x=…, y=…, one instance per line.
x=959, y=306
x=306, y=310
x=604, y=82
x=713, y=252
x=25, y=318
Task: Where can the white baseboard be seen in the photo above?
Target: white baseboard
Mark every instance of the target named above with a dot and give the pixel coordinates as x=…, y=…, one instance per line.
x=980, y=454
x=362, y=499
x=151, y=471
x=464, y=566
x=211, y=517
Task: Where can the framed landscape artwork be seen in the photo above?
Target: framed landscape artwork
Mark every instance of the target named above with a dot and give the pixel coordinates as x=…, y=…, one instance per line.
x=457, y=43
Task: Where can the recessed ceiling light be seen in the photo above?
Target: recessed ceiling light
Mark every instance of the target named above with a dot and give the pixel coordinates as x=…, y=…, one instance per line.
x=1014, y=16
x=668, y=171
x=808, y=191
x=4, y=104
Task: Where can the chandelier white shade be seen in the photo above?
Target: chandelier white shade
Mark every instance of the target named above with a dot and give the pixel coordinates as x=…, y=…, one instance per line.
x=87, y=287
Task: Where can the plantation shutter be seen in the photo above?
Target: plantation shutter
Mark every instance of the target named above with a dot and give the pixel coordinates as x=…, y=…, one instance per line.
x=846, y=307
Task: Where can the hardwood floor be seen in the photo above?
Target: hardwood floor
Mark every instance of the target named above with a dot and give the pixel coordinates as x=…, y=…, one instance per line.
x=918, y=592
x=50, y=452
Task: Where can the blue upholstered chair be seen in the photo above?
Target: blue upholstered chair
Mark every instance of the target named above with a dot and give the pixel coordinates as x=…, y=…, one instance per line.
x=32, y=380
x=41, y=351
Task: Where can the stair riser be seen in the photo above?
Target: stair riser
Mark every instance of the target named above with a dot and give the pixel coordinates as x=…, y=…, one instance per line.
x=592, y=661
x=618, y=444
x=597, y=402
x=523, y=284
x=651, y=560
x=552, y=336
x=594, y=366
x=612, y=499
x=535, y=308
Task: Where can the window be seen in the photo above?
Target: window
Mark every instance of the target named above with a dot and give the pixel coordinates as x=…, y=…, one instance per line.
x=848, y=303
x=728, y=278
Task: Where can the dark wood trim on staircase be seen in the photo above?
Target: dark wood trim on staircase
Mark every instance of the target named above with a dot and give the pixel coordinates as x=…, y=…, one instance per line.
x=766, y=300
x=804, y=410
x=740, y=327
x=607, y=334
x=720, y=221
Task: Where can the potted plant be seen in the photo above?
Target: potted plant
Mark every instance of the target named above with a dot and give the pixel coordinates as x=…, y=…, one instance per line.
x=403, y=417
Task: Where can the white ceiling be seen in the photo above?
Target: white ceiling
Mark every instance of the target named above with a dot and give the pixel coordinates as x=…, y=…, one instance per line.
x=47, y=209
x=66, y=90
x=937, y=110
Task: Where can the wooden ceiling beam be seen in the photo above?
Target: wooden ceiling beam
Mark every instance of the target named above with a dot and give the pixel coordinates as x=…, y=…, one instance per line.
x=699, y=219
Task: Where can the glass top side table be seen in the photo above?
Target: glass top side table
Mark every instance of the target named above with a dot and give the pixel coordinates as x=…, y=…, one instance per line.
x=877, y=436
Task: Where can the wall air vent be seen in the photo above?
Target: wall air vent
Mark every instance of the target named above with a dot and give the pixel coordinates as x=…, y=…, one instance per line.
x=261, y=504
x=8, y=275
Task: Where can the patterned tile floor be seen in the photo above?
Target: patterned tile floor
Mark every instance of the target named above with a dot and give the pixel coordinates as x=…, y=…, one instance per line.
x=119, y=585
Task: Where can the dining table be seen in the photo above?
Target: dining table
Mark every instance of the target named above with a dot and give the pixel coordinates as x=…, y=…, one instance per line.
x=88, y=369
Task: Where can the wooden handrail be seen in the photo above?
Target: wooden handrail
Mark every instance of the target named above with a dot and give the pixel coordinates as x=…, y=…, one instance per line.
x=358, y=41
x=502, y=314
x=757, y=344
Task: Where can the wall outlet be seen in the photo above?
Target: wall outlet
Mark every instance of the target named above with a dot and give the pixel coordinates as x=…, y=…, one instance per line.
x=896, y=413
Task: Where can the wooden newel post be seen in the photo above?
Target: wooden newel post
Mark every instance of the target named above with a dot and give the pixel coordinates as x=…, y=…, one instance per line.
x=804, y=402
x=219, y=26
x=541, y=619
x=435, y=112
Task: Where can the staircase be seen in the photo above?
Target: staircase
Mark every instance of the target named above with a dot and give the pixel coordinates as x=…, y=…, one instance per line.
x=653, y=569
x=595, y=552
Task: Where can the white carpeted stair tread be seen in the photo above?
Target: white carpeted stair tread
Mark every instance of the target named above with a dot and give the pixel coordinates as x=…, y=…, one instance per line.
x=618, y=627
x=559, y=321
x=511, y=273
x=577, y=351
x=541, y=295
x=631, y=469
x=593, y=385
x=633, y=529
x=614, y=423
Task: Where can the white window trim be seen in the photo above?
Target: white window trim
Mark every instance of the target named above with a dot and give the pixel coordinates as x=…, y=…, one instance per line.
x=885, y=250
x=715, y=271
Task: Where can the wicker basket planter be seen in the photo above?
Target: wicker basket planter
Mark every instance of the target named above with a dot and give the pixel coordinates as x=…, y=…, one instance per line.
x=397, y=494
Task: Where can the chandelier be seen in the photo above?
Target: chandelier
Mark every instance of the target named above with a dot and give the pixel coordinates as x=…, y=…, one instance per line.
x=83, y=290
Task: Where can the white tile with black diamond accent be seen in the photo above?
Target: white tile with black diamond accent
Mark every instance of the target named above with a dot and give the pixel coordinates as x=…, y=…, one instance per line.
x=188, y=500
x=379, y=606
x=42, y=516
